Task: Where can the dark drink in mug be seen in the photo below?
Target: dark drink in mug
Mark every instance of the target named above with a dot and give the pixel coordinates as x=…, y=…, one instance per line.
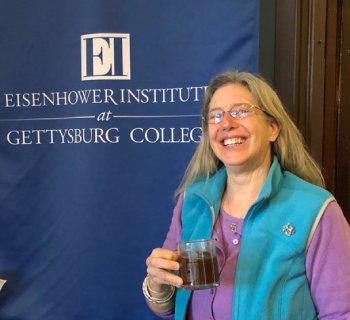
x=198, y=264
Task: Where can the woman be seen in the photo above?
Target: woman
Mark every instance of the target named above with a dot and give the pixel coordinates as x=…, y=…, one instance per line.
x=282, y=240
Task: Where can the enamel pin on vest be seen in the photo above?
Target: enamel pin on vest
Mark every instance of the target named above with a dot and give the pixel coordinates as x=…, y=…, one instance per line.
x=288, y=229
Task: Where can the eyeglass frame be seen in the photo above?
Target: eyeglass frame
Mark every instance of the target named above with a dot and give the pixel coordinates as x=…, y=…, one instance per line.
x=219, y=110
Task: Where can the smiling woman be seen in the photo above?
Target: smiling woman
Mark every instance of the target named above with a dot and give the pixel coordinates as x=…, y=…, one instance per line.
x=241, y=143
x=253, y=187
x=289, y=146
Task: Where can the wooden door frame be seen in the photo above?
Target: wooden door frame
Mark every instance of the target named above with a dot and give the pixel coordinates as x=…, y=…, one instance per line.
x=310, y=77
x=331, y=94
x=342, y=175
x=300, y=66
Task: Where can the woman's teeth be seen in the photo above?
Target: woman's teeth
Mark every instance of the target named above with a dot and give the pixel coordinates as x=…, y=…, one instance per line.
x=233, y=141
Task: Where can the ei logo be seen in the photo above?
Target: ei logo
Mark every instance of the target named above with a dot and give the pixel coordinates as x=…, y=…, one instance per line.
x=105, y=56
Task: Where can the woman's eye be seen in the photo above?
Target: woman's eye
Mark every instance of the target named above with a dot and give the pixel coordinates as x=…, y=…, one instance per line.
x=242, y=112
x=215, y=116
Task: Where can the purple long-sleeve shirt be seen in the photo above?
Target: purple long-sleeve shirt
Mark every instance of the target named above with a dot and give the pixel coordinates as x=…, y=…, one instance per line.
x=327, y=266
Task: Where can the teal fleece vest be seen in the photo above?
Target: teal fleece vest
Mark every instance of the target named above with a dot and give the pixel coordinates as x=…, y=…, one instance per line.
x=270, y=277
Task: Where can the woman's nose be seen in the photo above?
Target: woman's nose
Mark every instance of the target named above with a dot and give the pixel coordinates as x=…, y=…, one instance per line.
x=228, y=121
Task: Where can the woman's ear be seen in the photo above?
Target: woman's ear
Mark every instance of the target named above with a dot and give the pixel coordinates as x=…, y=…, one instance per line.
x=274, y=130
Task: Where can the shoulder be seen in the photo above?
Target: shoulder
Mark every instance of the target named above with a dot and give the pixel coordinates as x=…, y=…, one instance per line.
x=308, y=191
x=332, y=225
x=298, y=202
x=329, y=250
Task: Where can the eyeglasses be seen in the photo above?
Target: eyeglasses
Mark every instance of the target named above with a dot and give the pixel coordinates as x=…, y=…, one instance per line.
x=237, y=111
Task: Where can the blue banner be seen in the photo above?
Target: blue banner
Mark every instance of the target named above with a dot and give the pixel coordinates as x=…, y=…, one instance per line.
x=99, y=116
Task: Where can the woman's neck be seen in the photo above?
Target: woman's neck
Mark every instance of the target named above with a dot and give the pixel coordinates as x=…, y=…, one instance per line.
x=242, y=190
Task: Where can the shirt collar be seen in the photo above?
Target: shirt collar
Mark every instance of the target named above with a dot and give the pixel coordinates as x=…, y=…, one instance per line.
x=214, y=187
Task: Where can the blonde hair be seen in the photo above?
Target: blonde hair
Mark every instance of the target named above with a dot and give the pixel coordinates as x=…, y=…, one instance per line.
x=289, y=147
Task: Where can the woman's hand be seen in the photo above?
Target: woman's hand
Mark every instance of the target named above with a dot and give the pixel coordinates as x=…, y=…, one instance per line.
x=161, y=267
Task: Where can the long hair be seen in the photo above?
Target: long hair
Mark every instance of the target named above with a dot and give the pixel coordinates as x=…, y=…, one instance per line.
x=289, y=147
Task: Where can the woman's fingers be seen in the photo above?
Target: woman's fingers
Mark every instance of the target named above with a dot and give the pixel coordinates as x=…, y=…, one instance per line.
x=161, y=265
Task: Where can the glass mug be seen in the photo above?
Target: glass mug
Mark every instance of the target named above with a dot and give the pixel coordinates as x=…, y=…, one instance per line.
x=198, y=264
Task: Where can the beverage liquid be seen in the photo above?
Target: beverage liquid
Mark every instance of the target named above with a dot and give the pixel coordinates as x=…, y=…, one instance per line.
x=199, y=270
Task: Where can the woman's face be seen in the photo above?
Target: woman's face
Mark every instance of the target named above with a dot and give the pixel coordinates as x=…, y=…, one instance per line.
x=241, y=144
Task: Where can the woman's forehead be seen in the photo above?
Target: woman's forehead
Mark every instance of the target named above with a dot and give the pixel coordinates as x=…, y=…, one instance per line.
x=230, y=94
